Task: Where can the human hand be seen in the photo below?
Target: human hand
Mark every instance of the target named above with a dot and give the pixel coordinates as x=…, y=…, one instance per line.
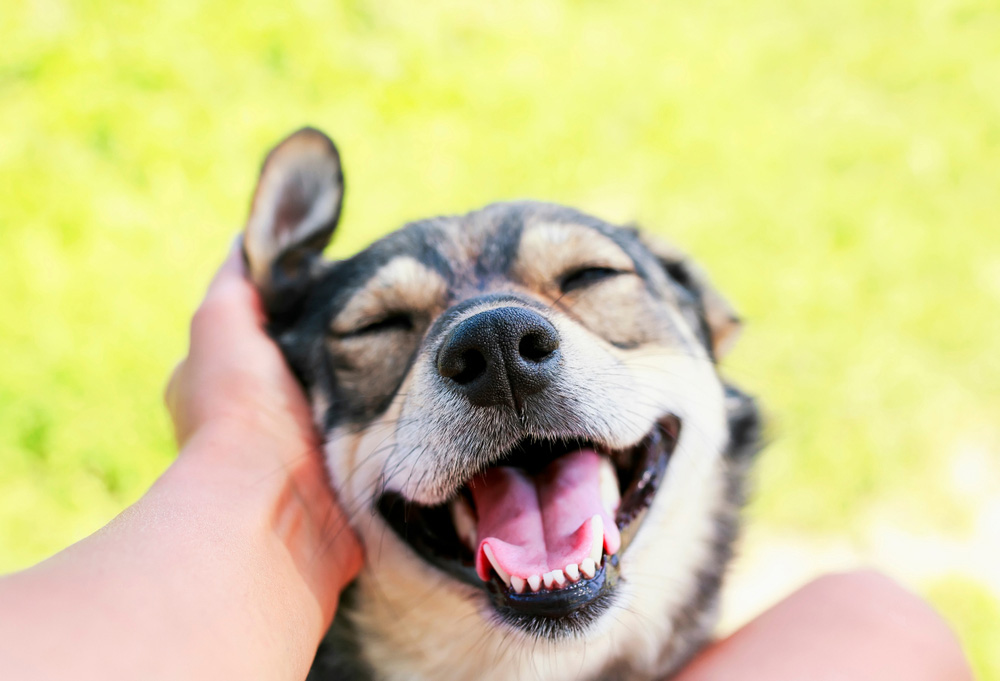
x=244, y=427
x=234, y=375
x=231, y=564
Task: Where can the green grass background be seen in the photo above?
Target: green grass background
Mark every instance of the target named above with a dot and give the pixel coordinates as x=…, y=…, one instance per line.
x=835, y=165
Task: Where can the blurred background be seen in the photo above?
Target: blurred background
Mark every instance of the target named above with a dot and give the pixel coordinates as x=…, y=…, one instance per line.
x=835, y=166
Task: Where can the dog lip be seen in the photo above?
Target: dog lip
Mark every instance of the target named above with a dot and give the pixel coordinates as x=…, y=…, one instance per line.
x=431, y=533
x=584, y=599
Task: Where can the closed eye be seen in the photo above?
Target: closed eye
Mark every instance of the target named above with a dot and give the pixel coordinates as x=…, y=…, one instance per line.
x=587, y=276
x=394, y=322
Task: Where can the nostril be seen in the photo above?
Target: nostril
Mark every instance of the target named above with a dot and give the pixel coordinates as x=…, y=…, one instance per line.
x=471, y=365
x=536, y=346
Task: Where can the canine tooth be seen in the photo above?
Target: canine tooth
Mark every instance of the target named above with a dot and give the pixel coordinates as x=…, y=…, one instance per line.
x=549, y=579
x=573, y=572
x=610, y=494
x=535, y=582
x=588, y=568
x=597, y=532
x=517, y=583
x=559, y=578
x=496, y=566
x=464, y=520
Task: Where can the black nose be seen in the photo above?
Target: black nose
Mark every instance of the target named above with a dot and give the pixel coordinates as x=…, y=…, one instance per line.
x=500, y=356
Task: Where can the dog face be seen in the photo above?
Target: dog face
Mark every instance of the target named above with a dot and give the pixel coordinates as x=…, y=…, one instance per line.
x=522, y=416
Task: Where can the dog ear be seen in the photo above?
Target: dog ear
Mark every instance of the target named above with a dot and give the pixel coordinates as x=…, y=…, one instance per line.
x=721, y=323
x=294, y=212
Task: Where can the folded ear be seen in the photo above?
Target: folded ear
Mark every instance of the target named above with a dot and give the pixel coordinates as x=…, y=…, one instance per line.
x=721, y=323
x=295, y=210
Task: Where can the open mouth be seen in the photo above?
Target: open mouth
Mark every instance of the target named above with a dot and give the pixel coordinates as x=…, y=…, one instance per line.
x=542, y=529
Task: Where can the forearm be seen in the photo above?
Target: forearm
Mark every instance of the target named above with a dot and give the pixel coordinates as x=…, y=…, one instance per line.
x=860, y=626
x=131, y=600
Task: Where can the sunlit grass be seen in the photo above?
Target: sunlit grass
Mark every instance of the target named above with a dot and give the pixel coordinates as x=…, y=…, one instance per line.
x=834, y=165
x=974, y=614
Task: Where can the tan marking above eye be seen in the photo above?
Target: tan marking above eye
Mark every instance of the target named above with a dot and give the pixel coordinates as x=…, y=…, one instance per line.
x=548, y=251
x=401, y=285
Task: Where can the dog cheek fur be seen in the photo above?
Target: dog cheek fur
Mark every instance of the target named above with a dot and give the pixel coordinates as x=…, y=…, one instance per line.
x=414, y=622
x=612, y=395
x=627, y=365
x=410, y=621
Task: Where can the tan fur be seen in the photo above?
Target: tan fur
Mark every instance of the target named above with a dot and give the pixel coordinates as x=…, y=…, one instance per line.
x=550, y=250
x=616, y=395
x=403, y=283
x=418, y=623
x=630, y=352
x=722, y=319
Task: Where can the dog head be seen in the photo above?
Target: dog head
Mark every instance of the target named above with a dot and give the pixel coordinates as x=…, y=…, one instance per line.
x=520, y=406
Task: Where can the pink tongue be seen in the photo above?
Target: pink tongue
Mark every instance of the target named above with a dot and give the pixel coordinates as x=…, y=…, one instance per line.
x=537, y=524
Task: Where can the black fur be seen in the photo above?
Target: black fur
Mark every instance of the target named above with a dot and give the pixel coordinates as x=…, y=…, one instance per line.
x=355, y=364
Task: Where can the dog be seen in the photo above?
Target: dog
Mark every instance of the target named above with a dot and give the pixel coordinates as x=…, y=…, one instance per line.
x=523, y=416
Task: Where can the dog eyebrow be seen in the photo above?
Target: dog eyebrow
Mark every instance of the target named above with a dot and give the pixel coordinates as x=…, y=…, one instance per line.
x=403, y=284
x=548, y=250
